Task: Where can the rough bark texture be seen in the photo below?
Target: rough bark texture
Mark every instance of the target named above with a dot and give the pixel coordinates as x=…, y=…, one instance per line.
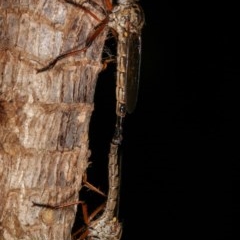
x=44, y=117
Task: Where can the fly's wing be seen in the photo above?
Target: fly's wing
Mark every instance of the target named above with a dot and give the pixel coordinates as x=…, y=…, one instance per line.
x=132, y=70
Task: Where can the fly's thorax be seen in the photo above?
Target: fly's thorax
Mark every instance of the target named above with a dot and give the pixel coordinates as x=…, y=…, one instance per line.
x=126, y=19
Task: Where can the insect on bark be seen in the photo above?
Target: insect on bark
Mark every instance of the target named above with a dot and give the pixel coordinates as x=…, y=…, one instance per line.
x=126, y=18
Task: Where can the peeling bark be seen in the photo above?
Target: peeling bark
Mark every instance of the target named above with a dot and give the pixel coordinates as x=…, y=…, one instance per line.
x=44, y=117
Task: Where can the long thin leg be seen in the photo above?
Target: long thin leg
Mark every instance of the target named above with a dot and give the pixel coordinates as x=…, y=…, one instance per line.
x=108, y=5
x=89, y=42
x=84, y=9
x=90, y=186
x=87, y=220
x=56, y=206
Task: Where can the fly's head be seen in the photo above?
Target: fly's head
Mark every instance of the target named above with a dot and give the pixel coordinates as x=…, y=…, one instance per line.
x=136, y=18
x=127, y=18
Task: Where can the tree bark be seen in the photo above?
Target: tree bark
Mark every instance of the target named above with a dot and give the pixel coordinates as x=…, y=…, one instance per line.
x=44, y=117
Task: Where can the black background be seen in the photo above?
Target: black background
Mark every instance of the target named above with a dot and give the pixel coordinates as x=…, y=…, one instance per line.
x=179, y=149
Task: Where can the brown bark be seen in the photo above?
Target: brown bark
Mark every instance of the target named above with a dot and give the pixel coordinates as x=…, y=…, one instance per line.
x=44, y=117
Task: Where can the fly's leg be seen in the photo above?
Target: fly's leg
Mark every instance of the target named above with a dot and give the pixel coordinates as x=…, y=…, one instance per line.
x=59, y=206
x=90, y=39
x=55, y=207
x=98, y=29
x=107, y=61
x=83, y=232
x=86, y=9
x=91, y=187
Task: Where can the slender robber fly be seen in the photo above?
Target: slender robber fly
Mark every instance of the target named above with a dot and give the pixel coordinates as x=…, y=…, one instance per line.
x=126, y=19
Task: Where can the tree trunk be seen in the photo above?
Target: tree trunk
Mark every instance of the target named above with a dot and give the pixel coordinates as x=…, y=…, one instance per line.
x=44, y=117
